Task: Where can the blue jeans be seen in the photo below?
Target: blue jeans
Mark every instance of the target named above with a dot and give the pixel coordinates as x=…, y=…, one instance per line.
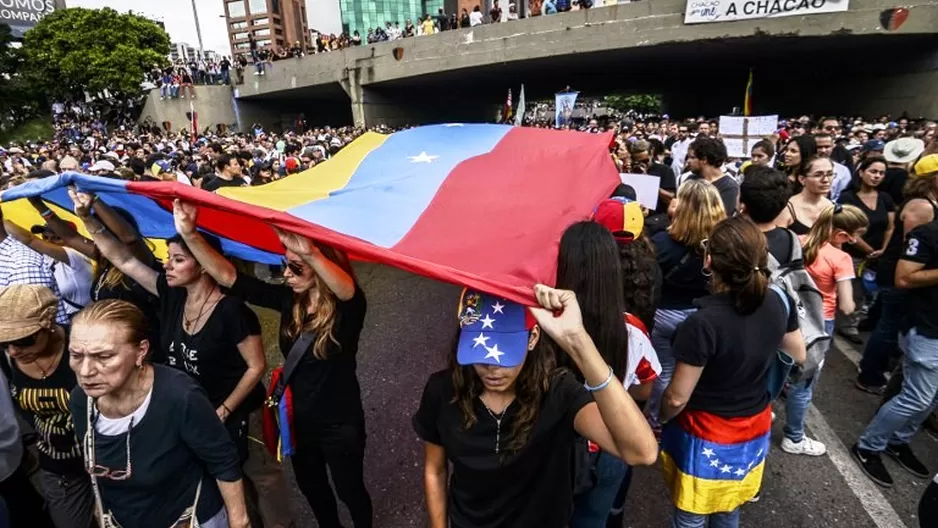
x=883, y=343
x=683, y=519
x=164, y=90
x=548, y=8
x=900, y=418
x=666, y=323
x=591, y=509
x=799, y=399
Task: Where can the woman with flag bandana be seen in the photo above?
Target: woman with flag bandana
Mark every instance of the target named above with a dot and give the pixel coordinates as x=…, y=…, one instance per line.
x=506, y=417
x=717, y=407
x=320, y=300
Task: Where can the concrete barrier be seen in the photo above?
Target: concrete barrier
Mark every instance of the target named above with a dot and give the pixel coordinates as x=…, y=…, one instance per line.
x=214, y=106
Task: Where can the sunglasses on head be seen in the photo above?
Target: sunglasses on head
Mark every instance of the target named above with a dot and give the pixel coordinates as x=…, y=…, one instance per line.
x=23, y=342
x=295, y=268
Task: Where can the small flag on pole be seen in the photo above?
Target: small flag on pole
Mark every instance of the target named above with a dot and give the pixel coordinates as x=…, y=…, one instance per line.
x=507, y=113
x=747, y=103
x=519, y=115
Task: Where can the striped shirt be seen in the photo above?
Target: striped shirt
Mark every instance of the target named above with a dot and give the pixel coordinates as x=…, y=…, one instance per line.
x=21, y=265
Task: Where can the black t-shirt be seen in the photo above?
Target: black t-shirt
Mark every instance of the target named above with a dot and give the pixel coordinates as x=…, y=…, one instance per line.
x=893, y=183
x=879, y=219
x=921, y=246
x=667, y=182
x=215, y=183
x=131, y=291
x=179, y=441
x=211, y=355
x=44, y=405
x=532, y=487
x=325, y=391
x=886, y=265
x=682, y=278
x=728, y=188
x=780, y=242
x=735, y=350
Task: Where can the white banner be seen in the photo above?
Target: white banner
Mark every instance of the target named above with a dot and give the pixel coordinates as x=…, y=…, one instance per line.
x=646, y=188
x=739, y=134
x=700, y=11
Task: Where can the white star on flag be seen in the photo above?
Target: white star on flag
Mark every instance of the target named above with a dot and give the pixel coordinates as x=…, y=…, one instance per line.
x=714, y=463
x=422, y=158
x=487, y=322
x=498, y=307
x=707, y=452
x=494, y=353
x=481, y=340
x=725, y=469
x=740, y=472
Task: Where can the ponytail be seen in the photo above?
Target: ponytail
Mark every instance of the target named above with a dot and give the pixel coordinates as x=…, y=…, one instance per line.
x=739, y=258
x=847, y=218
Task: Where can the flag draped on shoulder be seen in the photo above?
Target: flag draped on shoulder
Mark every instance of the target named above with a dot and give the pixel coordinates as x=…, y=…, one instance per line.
x=478, y=205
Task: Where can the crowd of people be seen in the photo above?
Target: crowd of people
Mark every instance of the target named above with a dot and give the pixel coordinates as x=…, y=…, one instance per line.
x=669, y=334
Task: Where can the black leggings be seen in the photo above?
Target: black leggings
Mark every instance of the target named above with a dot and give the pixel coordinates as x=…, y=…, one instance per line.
x=341, y=447
x=928, y=507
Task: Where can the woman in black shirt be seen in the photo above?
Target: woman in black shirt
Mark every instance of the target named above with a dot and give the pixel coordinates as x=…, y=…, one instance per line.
x=717, y=398
x=155, y=451
x=320, y=298
x=880, y=212
x=41, y=381
x=506, y=418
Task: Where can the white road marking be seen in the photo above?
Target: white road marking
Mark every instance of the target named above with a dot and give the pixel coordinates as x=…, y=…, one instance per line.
x=872, y=499
x=847, y=350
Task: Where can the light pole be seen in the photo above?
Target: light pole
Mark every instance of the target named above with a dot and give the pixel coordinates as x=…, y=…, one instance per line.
x=198, y=29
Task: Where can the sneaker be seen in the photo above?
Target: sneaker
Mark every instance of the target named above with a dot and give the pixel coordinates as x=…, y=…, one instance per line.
x=876, y=390
x=806, y=446
x=872, y=464
x=773, y=416
x=903, y=454
x=757, y=497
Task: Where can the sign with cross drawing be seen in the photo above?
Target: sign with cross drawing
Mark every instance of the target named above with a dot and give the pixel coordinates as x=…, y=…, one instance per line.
x=739, y=134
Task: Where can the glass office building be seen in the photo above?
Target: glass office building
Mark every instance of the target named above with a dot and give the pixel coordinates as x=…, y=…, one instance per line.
x=362, y=15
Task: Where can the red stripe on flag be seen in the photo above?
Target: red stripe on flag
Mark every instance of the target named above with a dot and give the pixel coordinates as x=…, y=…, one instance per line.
x=530, y=196
x=721, y=430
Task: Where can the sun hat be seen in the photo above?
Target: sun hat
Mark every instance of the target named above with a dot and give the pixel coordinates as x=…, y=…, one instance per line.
x=24, y=310
x=493, y=331
x=102, y=165
x=903, y=150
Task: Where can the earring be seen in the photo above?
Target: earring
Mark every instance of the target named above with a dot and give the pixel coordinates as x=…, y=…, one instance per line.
x=706, y=272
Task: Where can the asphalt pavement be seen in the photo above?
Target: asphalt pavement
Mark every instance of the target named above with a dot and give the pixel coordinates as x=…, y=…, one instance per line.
x=408, y=330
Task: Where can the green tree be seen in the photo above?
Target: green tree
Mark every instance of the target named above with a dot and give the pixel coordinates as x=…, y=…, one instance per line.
x=74, y=50
x=642, y=103
x=18, y=100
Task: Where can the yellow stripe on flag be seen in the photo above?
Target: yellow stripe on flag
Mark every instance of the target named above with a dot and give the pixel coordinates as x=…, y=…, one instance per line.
x=706, y=496
x=312, y=184
x=21, y=213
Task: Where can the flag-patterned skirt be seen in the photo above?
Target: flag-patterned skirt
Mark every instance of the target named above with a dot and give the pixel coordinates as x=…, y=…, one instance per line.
x=713, y=464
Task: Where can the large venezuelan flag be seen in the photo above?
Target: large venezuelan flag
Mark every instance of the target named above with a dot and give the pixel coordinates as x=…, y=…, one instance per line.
x=713, y=464
x=478, y=205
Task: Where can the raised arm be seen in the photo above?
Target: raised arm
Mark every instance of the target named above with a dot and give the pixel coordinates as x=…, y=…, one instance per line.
x=110, y=247
x=614, y=421
x=63, y=230
x=337, y=279
x=215, y=264
x=122, y=230
x=34, y=243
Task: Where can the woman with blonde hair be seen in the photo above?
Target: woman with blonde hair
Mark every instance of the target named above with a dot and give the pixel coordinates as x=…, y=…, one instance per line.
x=832, y=270
x=680, y=256
x=322, y=312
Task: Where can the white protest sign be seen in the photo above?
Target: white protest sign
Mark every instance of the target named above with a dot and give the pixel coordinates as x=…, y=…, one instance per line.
x=701, y=11
x=739, y=134
x=646, y=188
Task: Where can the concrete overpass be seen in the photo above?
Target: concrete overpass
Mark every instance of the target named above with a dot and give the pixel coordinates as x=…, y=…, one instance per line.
x=837, y=62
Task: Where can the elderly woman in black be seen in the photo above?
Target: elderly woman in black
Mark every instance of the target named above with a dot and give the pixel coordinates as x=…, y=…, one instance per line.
x=156, y=453
x=320, y=304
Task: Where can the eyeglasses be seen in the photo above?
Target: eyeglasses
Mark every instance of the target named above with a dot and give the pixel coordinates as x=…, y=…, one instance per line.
x=705, y=245
x=22, y=342
x=822, y=175
x=295, y=268
x=99, y=471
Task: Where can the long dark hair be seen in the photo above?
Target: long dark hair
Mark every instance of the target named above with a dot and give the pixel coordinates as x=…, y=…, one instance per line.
x=533, y=382
x=639, y=276
x=865, y=163
x=739, y=261
x=807, y=145
x=589, y=265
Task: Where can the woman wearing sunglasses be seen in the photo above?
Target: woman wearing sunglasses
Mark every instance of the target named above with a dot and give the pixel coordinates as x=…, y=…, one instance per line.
x=320, y=304
x=41, y=380
x=213, y=337
x=156, y=453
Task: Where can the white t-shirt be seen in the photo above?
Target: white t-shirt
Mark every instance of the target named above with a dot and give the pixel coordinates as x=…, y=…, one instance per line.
x=643, y=365
x=475, y=18
x=73, y=279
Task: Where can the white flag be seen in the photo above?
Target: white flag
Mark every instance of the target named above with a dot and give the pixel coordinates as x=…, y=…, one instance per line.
x=519, y=113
